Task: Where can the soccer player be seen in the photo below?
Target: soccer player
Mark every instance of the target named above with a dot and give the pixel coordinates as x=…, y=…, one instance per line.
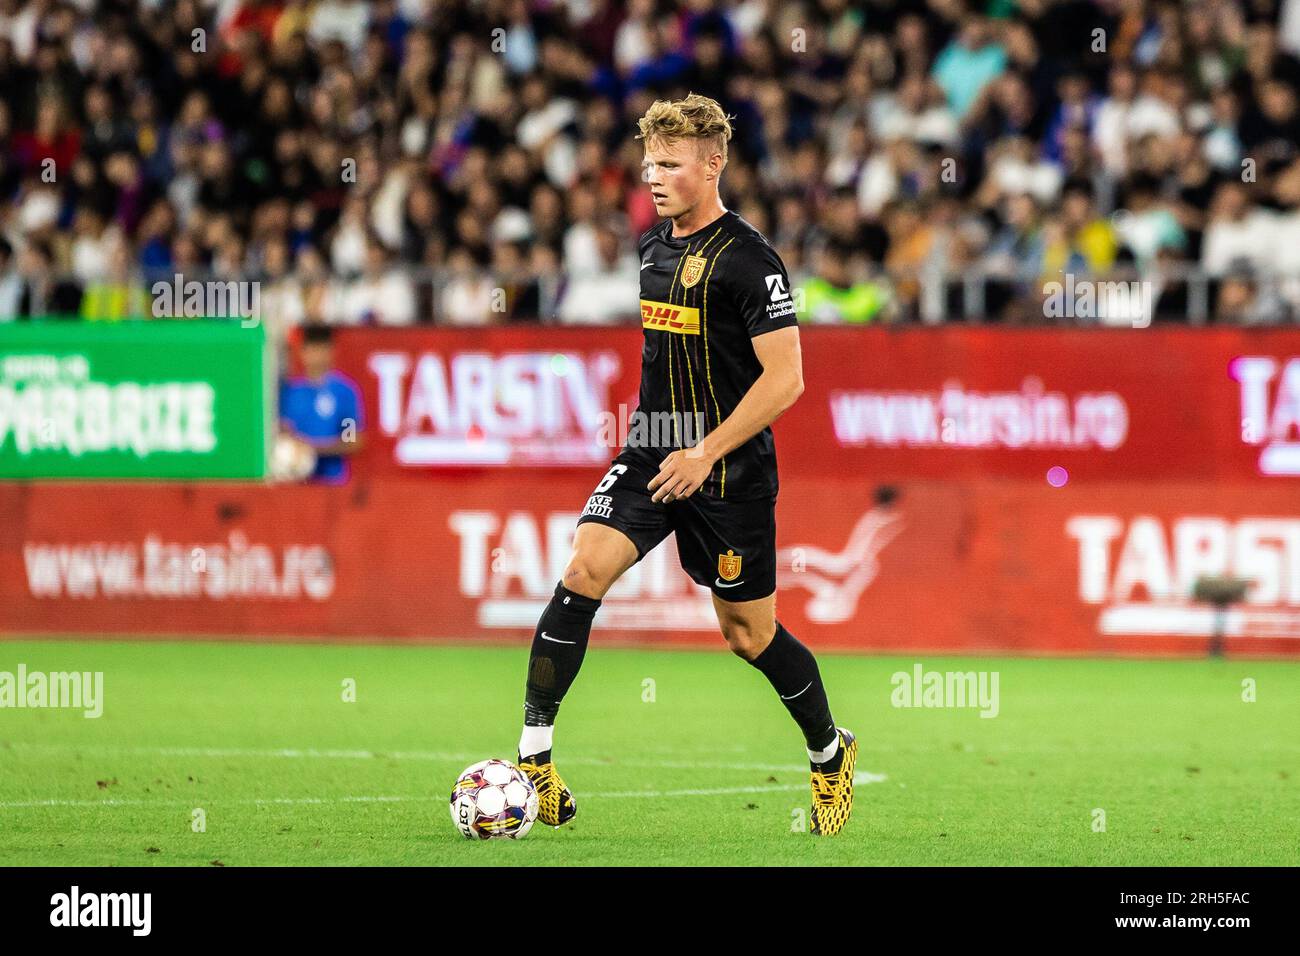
x=720, y=363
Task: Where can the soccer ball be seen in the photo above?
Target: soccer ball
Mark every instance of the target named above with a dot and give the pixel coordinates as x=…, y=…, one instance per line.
x=493, y=798
x=291, y=459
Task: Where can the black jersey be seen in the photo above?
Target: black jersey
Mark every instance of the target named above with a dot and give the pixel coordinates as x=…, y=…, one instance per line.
x=703, y=297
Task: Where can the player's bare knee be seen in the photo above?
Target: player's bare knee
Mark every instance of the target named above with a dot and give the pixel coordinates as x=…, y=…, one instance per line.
x=745, y=641
x=582, y=576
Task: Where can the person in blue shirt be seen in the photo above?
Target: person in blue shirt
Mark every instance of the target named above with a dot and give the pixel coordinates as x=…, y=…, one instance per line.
x=323, y=408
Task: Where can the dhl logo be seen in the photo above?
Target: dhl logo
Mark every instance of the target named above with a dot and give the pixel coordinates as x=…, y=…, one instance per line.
x=681, y=319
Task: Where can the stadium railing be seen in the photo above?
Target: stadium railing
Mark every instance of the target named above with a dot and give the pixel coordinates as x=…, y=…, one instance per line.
x=928, y=295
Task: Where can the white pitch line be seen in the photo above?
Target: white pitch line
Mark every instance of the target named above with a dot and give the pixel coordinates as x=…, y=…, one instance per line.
x=293, y=753
x=862, y=777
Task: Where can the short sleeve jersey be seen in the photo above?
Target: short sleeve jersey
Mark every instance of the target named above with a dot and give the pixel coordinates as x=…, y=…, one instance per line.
x=704, y=297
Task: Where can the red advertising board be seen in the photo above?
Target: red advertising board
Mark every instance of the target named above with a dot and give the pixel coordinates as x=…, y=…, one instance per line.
x=915, y=511
x=925, y=566
x=1156, y=404
x=463, y=400
x=1103, y=404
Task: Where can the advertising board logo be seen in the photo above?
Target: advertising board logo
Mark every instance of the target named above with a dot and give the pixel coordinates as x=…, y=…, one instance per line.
x=835, y=580
x=56, y=404
x=1270, y=410
x=1141, y=571
x=484, y=409
x=958, y=417
x=509, y=563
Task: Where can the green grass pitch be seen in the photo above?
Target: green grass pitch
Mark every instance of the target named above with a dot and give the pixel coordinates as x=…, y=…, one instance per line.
x=710, y=771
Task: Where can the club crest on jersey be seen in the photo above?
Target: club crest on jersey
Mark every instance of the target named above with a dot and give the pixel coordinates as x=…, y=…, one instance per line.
x=729, y=565
x=692, y=270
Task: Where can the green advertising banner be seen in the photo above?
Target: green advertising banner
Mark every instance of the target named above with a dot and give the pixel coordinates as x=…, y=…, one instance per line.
x=152, y=399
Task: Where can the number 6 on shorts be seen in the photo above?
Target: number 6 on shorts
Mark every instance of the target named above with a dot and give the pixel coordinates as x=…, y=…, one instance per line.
x=611, y=476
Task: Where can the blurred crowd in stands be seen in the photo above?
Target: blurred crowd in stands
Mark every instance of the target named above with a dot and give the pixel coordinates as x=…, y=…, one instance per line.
x=473, y=163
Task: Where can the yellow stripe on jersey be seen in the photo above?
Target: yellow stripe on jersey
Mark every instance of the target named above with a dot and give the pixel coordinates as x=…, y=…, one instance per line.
x=722, y=491
x=672, y=391
x=691, y=376
x=679, y=319
x=657, y=318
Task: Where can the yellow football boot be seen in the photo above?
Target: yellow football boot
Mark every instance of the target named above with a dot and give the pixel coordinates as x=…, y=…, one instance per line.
x=555, y=806
x=832, y=790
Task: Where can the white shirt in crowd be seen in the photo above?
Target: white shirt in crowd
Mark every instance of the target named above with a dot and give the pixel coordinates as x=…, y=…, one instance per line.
x=603, y=297
x=384, y=300
x=467, y=301
x=1250, y=239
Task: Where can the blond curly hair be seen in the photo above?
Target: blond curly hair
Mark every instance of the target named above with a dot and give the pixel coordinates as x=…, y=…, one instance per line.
x=695, y=117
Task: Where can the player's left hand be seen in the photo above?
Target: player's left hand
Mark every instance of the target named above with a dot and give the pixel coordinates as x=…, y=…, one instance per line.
x=680, y=475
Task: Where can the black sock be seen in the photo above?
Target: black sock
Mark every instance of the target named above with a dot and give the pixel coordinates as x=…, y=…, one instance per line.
x=792, y=670
x=559, y=644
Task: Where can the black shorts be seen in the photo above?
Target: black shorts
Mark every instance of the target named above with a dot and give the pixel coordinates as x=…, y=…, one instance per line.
x=727, y=546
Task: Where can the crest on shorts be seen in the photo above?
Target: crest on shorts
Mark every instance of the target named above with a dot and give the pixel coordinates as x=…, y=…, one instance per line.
x=729, y=565
x=692, y=270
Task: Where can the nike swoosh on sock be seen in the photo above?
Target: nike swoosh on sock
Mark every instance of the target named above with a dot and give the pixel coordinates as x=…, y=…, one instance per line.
x=793, y=696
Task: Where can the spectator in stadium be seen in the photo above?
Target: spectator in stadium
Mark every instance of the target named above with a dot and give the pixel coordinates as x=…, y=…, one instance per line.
x=917, y=112
x=1078, y=240
x=193, y=157
x=1014, y=166
x=281, y=297
x=1237, y=231
x=1285, y=260
x=44, y=292
x=106, y=132
x=381, y=295
x=1015, y=250
x=1243, y=300
x=541, y=298
x=1270, y=127
x=322, y=407
x=910, y=241
x=970, y=61
x=1077, y=109
x=92, y=241
x=11, y=283
x=469, y=296
x=1005, y=107
x=116, y=292
x=1148, y=223
x=607, y=294
x=1113, y=121
x=51, y=144
x=420, y=216
x=37, y=210
x=832, y=295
